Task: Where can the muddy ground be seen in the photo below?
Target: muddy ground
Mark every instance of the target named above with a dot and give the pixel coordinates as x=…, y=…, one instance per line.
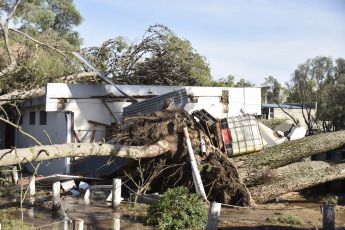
x=99, y=215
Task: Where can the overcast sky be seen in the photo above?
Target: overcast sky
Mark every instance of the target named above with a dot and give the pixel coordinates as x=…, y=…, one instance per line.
x=250, y=39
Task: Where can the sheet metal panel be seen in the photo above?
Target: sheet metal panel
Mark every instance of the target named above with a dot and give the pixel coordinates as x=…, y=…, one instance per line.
x=105, y=165
x=156, y=103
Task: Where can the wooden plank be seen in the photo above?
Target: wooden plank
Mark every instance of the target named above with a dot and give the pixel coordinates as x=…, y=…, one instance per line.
x=76, y=136
x=93, y=134
x=99, y=123
x=111, y=113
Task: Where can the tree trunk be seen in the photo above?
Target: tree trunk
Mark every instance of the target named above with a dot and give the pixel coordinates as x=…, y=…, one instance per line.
x=268, y=173
x=46, y=152
x=253, y=166
x=295, y=177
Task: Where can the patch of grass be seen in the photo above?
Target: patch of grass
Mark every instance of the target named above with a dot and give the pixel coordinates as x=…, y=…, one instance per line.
x=9, y=223
x=330, y=200
x=273, y=220
x=293, y=219
x=290, y=219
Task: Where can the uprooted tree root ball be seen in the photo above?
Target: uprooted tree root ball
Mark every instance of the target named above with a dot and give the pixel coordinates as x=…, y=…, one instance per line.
x=218, y=173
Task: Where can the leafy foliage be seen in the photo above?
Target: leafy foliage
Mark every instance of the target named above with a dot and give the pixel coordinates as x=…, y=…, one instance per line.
x=274, y=93
x=160, y=58
x=34, y=41
x=230, y=82
x=308, y=84
x=177, y=209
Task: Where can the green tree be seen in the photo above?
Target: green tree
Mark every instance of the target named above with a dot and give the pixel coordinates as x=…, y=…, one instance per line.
x=230, y=82
x=274, y=92
x=243, y=83
x=222, y=82
x=309, y=83
x=35, y=36
x=332, y=110
x=160, y=58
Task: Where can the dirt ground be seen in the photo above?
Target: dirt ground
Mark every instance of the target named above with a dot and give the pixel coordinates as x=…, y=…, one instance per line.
x=99, y=215
x=299, y=211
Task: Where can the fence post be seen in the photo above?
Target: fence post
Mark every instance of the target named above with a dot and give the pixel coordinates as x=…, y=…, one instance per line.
x=14, y=174
x=32, y=186
x=56, y=196
x=78, y=224
x=116, y=193
x=213, y=216
x=116, y=221
x=328, y=216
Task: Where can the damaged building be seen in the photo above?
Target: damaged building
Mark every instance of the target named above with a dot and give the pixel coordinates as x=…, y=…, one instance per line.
x=71, y=113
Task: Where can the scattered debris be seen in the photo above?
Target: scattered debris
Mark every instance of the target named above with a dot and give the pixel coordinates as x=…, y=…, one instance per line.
x=67, y=185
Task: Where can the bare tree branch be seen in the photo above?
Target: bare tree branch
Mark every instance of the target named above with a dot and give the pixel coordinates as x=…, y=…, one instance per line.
x=13, y=11
x=63, y=53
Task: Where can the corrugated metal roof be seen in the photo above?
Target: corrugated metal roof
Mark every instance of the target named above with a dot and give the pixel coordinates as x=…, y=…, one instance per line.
x=106, y=165
x=156, y=103
x=284, y=106
x=311, y=105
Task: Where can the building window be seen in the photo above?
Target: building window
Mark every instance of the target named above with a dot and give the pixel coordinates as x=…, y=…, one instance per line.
x=32, y=118
x=43, y=117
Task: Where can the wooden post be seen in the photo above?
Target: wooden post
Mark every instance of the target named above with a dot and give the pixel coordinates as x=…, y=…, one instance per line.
x=32, y=186
x=116, y=192
x=56, y=196
x=116, y=221
x=78, y=224
x=328, y=216
x=213, y=216
x=14, y=174
x=87, y=196
x=109, y=110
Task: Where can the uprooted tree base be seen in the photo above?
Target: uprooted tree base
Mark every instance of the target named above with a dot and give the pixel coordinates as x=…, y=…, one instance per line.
x=219, y=174
x=223, y=181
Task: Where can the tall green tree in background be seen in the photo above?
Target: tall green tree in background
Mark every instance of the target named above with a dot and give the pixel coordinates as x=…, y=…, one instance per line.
x=35, y=36
x=273, y=92
x=160, y=58
x=332, y=110
x=230, y=82
x=318, y=80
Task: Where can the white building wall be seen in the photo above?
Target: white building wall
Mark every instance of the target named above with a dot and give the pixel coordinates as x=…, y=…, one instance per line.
x=56, y=129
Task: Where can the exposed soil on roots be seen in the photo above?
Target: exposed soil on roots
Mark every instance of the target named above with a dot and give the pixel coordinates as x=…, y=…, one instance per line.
x=218, y=173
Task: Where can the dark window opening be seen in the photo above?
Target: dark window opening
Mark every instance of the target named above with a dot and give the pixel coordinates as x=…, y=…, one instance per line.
x=32, y=118
x=43, y=117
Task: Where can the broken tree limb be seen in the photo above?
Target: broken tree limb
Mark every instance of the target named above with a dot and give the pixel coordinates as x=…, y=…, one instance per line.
x=295, y=177
x=38, y=92
x=46, y=152
x=21, y=95
x=251, y=167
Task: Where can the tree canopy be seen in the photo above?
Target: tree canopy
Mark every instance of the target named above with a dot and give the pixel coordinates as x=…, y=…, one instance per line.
x=273, y=92
x=159, y=58
x=35, y=36
x=319, y=80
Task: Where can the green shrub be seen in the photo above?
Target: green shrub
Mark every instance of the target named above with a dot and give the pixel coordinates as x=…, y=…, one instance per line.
x=177, y=209
x=330, y=200
x=292, y=219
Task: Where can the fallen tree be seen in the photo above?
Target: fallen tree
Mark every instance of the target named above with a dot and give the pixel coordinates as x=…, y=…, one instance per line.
x=47, y=152
x=244, y=180
x=38, y=92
